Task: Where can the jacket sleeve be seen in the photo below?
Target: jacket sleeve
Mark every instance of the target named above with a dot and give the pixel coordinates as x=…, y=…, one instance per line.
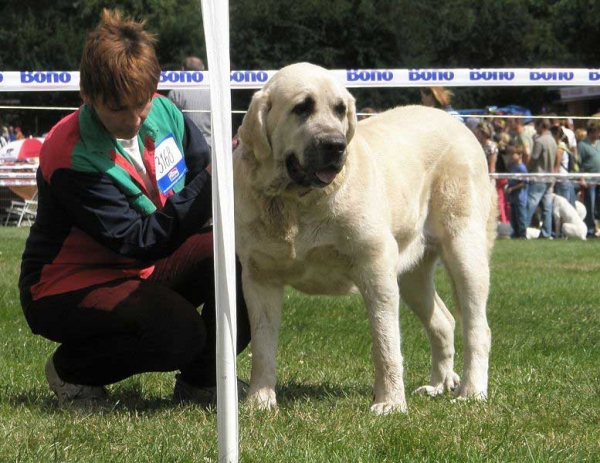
x=99, y=208
x=195, y=148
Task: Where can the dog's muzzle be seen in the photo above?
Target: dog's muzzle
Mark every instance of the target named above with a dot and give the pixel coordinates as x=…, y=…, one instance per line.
x=323, y=159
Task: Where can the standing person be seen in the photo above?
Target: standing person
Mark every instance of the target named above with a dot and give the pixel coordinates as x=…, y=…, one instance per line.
x=516, y=192
x=483, y=133
x=194, y=100
x=12, y=136
x=580, y=134
x=117, y=261
x=589, y=158
x=541, y=160
x=519, y=136
x=4, y=136
x=562, y=187
x=571, y=141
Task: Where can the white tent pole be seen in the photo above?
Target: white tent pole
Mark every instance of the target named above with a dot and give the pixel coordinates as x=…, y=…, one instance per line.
x=215, y=14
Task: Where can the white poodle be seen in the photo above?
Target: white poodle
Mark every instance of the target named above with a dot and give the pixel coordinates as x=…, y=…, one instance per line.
x=569, y=219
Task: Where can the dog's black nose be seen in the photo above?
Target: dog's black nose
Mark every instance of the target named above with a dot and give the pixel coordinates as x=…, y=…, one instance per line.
x=332, y=150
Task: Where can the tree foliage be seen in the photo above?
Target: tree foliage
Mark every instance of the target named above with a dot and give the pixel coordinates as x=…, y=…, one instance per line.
x=338, y=34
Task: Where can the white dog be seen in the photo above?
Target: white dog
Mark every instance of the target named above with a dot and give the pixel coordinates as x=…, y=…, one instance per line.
x=580, y=208
x=568, y=219
x=330, y=206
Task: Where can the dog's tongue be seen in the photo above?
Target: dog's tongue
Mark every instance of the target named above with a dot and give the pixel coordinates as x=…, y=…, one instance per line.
x=326, y=176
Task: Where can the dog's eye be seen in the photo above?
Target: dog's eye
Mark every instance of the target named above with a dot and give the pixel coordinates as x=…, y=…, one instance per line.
x=340, y=109
x=305, y=108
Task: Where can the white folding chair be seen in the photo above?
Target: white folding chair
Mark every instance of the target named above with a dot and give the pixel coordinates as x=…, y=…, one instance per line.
x=28, y=213
x=22, y=211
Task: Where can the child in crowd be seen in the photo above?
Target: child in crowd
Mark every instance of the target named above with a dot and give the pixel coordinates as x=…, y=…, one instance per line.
x=516, y=191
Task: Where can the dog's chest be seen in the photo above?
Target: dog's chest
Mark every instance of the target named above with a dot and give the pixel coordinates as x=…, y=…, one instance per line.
x=305, y=254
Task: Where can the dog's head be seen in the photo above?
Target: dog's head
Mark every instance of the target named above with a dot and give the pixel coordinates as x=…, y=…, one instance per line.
x=301, y=123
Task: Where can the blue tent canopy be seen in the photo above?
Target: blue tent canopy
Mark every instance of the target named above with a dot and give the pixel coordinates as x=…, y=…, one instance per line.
x=508, y=110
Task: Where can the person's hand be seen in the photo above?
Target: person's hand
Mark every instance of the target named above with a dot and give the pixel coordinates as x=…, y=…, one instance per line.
x=209, y=169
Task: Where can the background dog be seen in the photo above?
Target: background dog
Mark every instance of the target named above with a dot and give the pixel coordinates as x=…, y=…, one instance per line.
x=568, y=219
x=330, y=206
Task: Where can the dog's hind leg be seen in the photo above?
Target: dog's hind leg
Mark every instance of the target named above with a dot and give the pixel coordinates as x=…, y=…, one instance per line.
x=417, y=290
x=467, y=261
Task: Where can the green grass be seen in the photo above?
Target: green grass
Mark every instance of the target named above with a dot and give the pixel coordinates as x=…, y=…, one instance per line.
x=544, y=403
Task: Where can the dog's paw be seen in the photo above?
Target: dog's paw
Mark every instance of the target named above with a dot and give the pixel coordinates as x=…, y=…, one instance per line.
x=431, y=391
x=465, y=392
x=385, y=408
x=262, y=399
x=450, y=383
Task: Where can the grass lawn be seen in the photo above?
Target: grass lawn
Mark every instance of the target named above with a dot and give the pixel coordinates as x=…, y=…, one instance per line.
x=544, y=405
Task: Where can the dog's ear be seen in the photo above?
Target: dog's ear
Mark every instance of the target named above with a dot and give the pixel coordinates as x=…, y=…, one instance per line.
x=351, y=117
x=253, y=131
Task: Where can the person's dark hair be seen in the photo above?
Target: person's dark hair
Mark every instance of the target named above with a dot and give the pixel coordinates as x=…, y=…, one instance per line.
x=557, y=132
x=544, y=123
x=519, y=149
x=119, y=63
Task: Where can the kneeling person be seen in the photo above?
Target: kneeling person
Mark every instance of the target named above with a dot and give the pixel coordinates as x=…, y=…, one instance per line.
x=118, y=262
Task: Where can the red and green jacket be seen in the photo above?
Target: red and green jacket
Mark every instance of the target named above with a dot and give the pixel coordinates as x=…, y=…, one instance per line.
x=96, y=221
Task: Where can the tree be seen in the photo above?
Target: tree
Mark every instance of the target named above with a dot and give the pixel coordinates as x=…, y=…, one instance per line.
x=338, y=34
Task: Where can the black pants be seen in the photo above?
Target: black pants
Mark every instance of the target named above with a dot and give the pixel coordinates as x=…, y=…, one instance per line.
x=114, y=330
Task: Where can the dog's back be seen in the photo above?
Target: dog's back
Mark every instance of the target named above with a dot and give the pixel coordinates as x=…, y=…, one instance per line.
x=441, y=162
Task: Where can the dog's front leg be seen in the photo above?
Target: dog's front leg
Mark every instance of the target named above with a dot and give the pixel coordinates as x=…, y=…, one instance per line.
x=264, y=310
x=380, y=292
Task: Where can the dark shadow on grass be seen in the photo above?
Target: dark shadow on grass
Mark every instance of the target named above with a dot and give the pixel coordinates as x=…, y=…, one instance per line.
x=118, y=402
x=130, y=400
x=294, y=391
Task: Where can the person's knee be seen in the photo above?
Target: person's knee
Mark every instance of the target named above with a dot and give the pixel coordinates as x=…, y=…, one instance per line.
x=188, y=334
x=167, y=323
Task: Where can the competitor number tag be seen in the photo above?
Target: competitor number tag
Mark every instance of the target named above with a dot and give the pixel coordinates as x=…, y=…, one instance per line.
x=169, y=164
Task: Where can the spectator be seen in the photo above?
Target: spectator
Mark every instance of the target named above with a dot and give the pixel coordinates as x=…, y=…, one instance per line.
x=542, y=160
x=19, y=134
x=564, y=158
x=439, y=97
x=516, y=192
x=571, y=141
x=529, y=129
x=117, y=261
x=519, y=136
x=502, y=165
x=589, y=158
x=580, y=134
x=11, y=133
x=498, y=128
x=483, y=132
x=472, y=123
x=194, y=101
x=4, y=139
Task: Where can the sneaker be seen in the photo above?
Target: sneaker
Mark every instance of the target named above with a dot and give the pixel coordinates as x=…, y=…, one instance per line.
x=184, y=392
x=72, y=394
